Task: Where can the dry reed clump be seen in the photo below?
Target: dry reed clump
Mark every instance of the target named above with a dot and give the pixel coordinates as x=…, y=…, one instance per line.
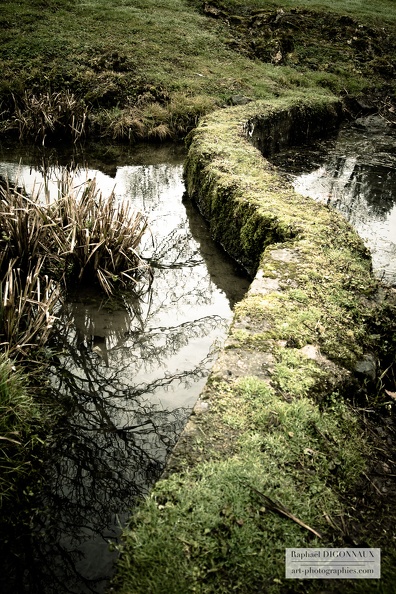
x=26, y=309
x=79, y=237
x=97, y=238
x=153, y=120
x=22, y=228
x=126, y=126
x=49, y=114
x=160, y=132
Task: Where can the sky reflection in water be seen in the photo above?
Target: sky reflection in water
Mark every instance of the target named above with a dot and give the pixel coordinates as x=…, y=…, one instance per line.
x=356, y=174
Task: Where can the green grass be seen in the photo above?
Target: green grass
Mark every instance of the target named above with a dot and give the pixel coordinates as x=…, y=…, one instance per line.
x=18, y=416
x=113, y=53
x=149, y=70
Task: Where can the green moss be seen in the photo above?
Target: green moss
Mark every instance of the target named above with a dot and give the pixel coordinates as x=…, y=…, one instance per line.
x=211, y=529
x=294, y=374
x=333, y=319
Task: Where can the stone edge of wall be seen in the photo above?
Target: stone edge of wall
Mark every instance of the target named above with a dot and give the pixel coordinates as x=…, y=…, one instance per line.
x=232, y=183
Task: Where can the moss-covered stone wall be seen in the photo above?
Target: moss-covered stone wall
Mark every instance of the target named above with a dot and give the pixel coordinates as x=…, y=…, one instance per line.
x=313, y=290
x=273, y=428
x=293, y=126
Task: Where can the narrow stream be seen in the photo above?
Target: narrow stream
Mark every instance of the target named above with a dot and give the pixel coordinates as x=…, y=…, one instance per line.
x=355, y=172
x=129, y=370
x=127, y=375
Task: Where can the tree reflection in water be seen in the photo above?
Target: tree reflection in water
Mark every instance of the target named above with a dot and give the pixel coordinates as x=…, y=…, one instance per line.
x=119, y=364
x=127, y=375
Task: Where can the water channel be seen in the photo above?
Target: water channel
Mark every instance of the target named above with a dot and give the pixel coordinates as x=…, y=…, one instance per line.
x=127, y=373
x=129, y=369
x=355, y=173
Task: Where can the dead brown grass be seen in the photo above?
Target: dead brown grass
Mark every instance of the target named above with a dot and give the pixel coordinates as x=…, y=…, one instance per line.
x=48, y=115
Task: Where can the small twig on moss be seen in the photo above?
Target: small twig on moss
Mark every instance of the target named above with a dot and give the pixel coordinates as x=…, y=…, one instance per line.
x=276, y=506
x=373, y=484
x=330, y=521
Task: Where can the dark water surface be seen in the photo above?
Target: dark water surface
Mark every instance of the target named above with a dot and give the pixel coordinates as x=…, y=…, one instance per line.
x=355, y=172
x=128, y=373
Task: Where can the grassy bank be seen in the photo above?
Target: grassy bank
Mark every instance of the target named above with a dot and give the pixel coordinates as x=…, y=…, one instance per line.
x=19, y=421
x=133, y=70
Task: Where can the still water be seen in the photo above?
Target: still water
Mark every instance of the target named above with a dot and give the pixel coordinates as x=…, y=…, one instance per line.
x=127, y=373
x=355, y=172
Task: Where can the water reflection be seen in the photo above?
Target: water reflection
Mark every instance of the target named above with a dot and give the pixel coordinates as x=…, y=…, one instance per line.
x=127, y=374
x=356, y=174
